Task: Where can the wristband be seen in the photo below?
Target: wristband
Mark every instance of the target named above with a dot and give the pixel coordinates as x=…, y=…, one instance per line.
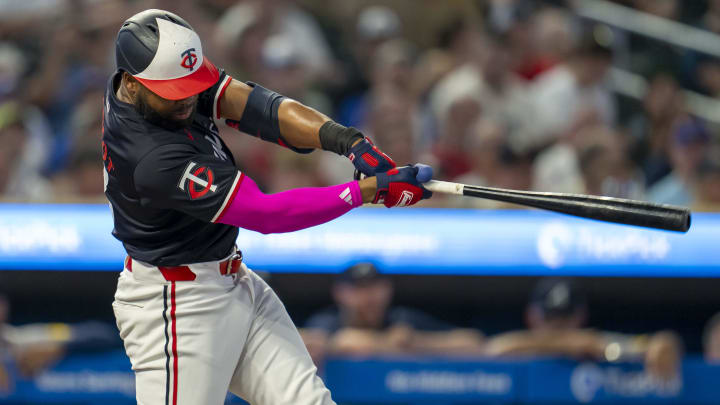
x=338, y=138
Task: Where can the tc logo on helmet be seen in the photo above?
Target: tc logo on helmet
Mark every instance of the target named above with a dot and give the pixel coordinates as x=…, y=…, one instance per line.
x=193, y=177
x=189, y=58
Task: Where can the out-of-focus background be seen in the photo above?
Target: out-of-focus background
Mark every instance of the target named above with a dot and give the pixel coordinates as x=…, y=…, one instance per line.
x=457, y=301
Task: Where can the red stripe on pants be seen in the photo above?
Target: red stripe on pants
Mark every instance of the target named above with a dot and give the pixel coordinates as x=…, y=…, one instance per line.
x=174, y=343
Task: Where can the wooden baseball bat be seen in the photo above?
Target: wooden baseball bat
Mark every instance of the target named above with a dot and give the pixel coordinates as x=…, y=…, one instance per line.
x=619, y=210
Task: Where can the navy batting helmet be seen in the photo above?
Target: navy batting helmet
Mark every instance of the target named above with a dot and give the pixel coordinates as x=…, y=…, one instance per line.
x=163, y=52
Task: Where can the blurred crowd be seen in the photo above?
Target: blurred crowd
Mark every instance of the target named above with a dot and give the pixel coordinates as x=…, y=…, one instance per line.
x=506, y=93
x=364, y=321
x=29, y=349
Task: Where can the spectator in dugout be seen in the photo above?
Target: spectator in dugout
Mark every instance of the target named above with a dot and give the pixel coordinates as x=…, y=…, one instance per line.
x=556, y=316
x=29, y=349
x=364, y=322
x=711, y=340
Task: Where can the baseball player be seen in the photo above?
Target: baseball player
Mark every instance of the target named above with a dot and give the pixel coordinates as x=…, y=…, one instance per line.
x=195, y=321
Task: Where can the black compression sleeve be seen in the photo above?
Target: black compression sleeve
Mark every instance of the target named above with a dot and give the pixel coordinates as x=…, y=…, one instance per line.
x=338, y=138
x=260, y=117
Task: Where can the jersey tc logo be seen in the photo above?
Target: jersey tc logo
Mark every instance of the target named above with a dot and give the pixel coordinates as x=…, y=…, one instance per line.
x=189, y=58
x=192, y=177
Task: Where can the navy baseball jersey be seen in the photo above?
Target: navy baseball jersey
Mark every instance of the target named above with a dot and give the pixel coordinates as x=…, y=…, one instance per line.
x=167, y=187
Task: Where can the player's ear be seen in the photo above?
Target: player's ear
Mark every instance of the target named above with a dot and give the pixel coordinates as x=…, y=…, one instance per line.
x=131, y=84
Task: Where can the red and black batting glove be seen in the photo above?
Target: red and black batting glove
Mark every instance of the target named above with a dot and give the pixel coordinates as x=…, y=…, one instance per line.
x=368, y=159
x=402, y=186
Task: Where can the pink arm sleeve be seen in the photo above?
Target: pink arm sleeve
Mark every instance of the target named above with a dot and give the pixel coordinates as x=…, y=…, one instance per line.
x=290, y=210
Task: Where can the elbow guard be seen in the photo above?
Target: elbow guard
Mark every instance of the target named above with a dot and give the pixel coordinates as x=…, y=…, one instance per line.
x=260, y=117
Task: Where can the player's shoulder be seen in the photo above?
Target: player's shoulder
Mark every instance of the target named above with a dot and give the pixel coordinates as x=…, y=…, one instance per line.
x=170, y=150
x=162, y=158
x=157, y=167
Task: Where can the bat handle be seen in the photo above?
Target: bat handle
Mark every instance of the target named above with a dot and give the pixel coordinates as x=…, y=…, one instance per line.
x=436, y=186
x=444, y=187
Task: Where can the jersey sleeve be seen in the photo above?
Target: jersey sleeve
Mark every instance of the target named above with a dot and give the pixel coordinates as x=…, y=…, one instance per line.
x=209, y=100
x=178, y=177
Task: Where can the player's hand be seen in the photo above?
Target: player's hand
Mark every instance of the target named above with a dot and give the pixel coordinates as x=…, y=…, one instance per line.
x=368, y=159
x=35, y=358
x=402, y=186
x=663, y=356
x=400, y=338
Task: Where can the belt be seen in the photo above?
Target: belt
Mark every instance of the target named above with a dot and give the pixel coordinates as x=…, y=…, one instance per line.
x=231, y=265
x=226, y=267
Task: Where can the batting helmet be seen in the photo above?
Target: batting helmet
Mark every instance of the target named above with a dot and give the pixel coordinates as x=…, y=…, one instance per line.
x=163, y=52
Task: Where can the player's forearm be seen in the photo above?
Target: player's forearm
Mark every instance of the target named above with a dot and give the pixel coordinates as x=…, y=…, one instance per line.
x=294, y=209
x=663, y=356
x=356, y=341
x=569, y=343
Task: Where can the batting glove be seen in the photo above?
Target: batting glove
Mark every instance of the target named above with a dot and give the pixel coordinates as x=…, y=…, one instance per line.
x=402, y=186
x=368, y=159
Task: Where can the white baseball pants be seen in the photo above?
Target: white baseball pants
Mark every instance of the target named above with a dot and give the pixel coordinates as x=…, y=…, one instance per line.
x=191, y=341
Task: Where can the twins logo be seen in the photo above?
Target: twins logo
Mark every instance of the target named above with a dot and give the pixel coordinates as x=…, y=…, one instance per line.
x=195, y=180
x=189, y=58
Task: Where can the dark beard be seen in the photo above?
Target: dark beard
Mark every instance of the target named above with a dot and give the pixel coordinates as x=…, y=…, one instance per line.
x=154, y=117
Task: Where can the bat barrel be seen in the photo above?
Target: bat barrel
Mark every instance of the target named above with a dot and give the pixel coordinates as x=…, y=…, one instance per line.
x=607, y=209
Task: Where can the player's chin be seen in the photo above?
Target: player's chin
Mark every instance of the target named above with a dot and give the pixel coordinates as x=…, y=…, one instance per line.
x=171, y=120
x=188, y=119
x=183, y=114
x=179, y=119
